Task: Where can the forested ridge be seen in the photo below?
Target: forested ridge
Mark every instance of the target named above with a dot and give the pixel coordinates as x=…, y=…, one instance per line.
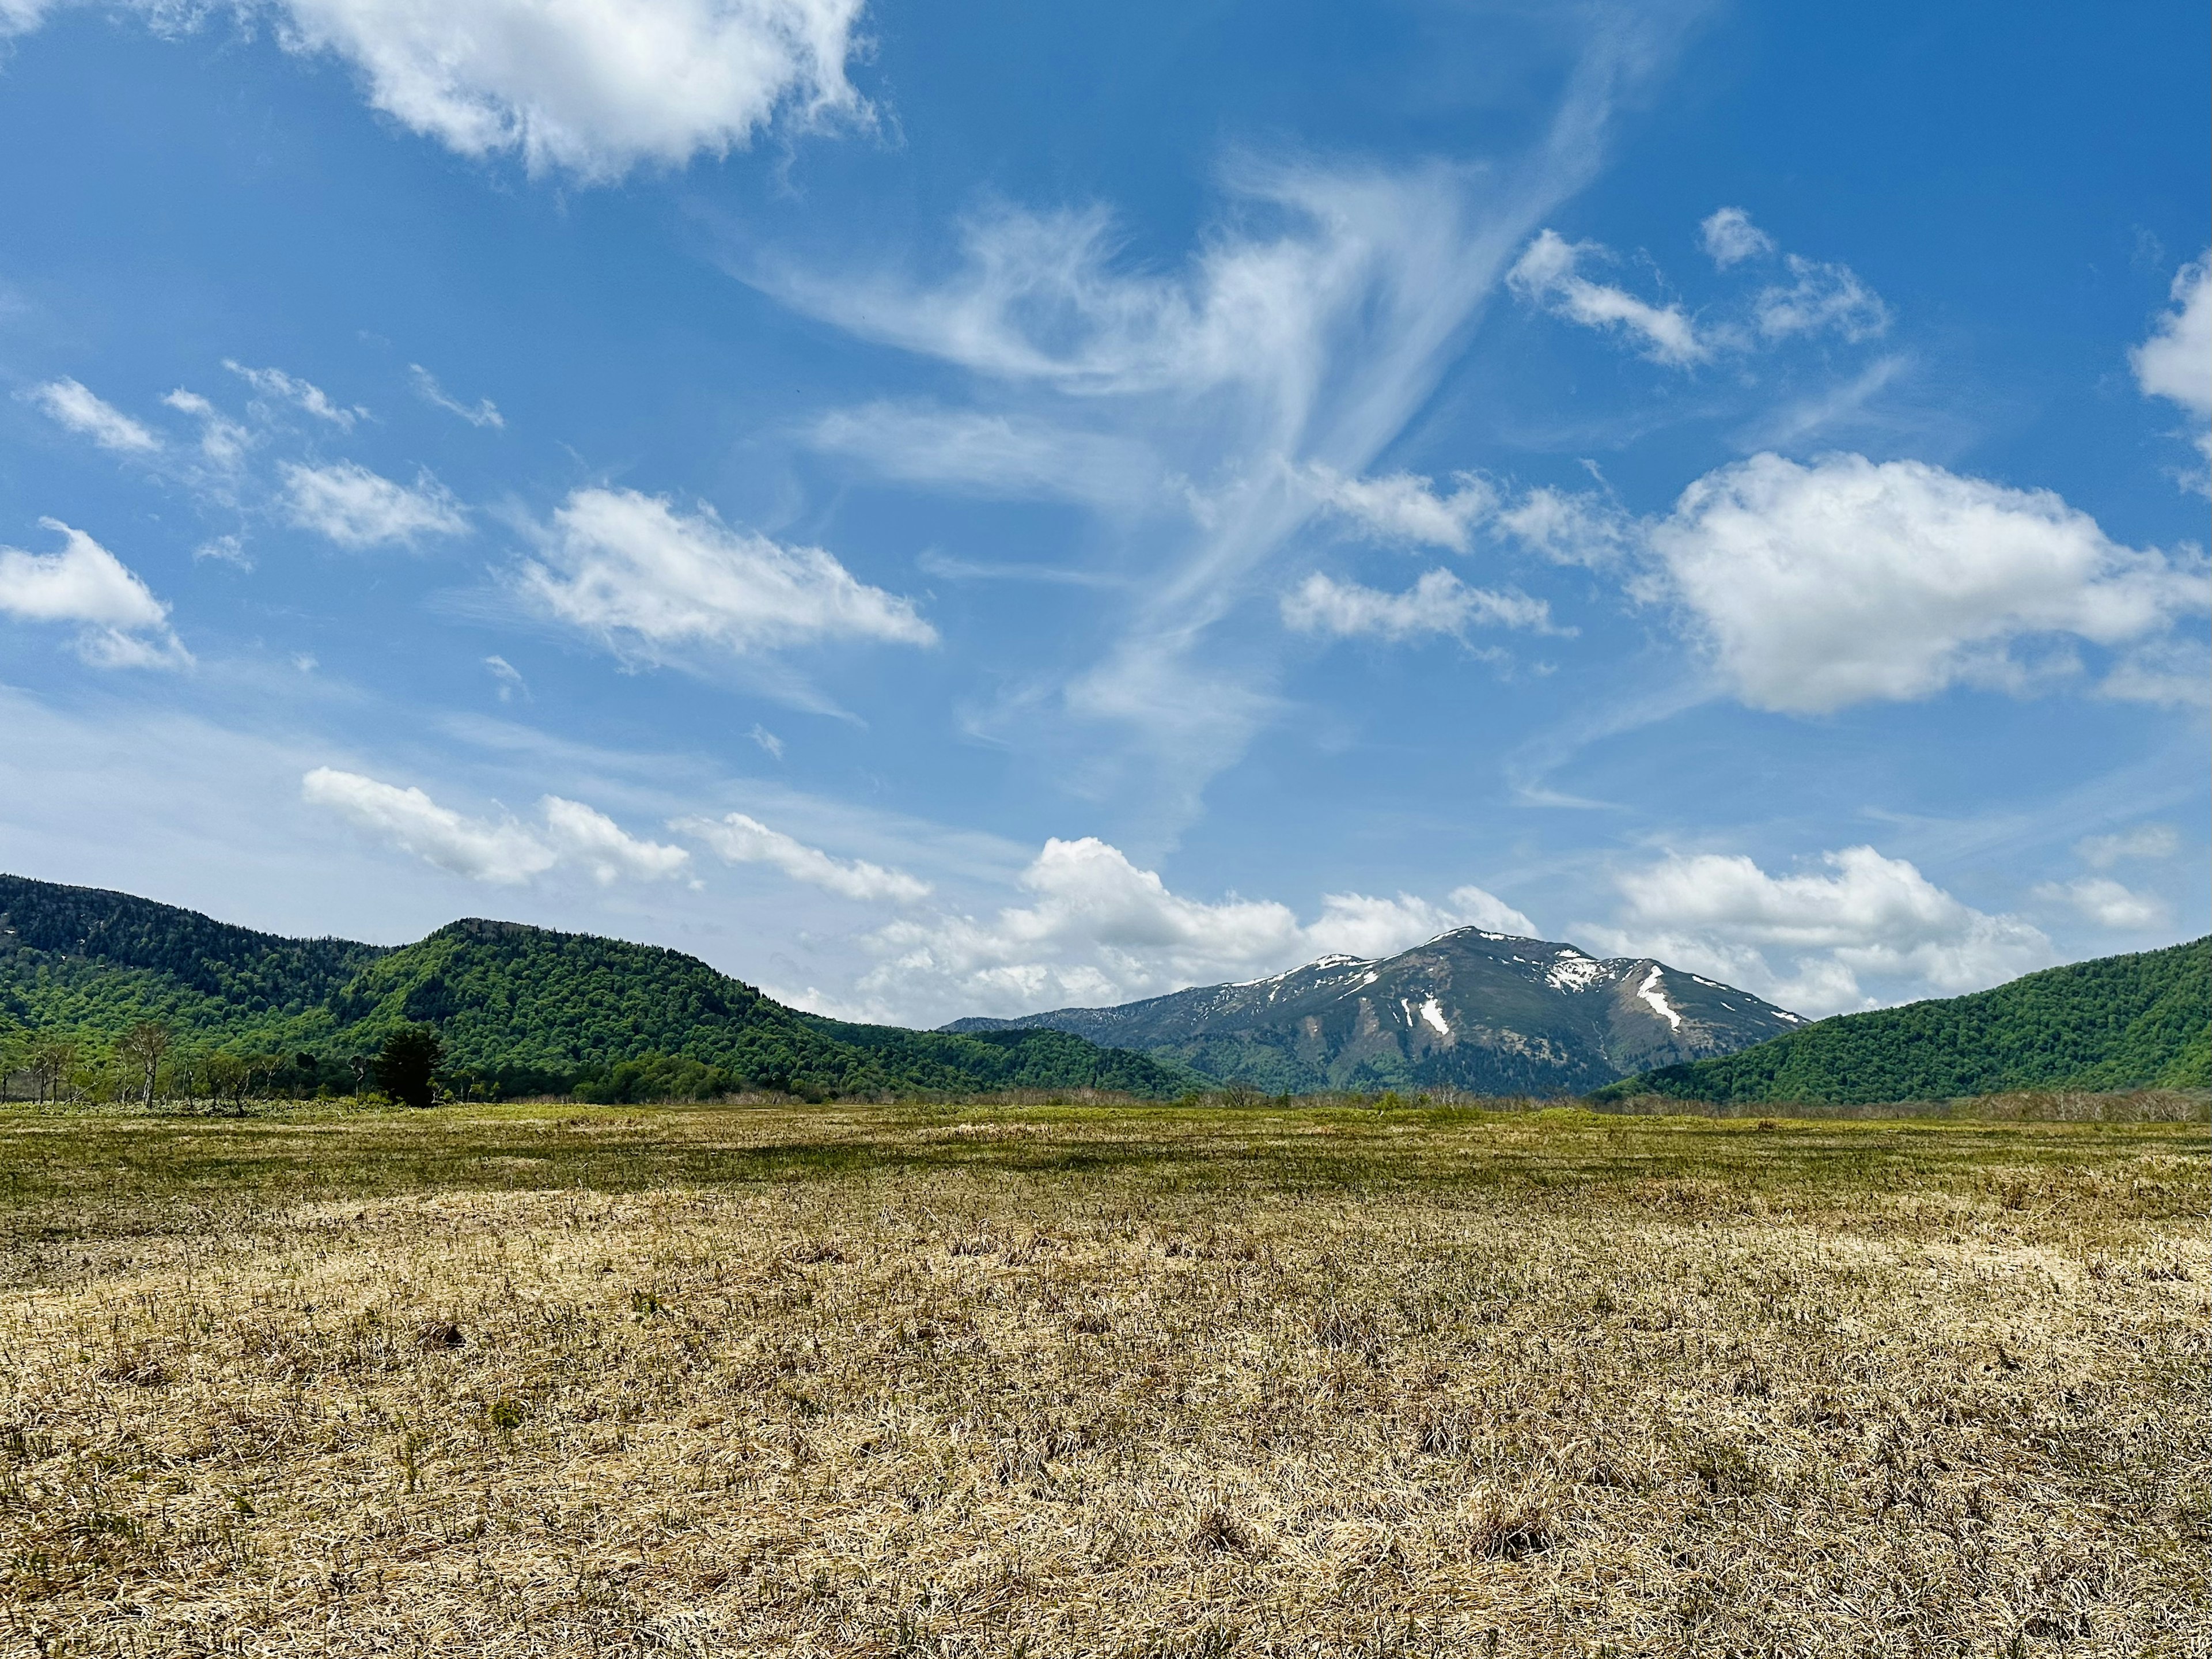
x=516, y=1009
x=2137, y=1021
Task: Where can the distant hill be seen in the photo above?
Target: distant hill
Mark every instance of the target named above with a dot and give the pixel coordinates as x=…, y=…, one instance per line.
x=521, y=1007
x=1483, y=1011
x=2115, y=1023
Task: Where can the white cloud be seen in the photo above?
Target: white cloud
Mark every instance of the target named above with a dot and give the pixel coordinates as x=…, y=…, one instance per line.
x=2176, y=362
x=482, y=412
x=591, y=87
x=991, y=455
x=1358, y=925
x=1844, y=582
x=506, y=852
x=1807, y=940
x=225, y=550
x=1569, y=528
x=1100, y=930
x=124, y=626
x=2145, y=840
x=580, y=835
x=1544, y=275
x=73, y=405
x=632, y=570
x=1730, y=237
x=509, y=679
x=1404, y=507
x=302, y=394
x=1439, y=603
x=223, y=441
x=2106, y=903
x=1821, y=297
x=768, y=740
x=357, y=508
x=742, y=840
x=1307, y=324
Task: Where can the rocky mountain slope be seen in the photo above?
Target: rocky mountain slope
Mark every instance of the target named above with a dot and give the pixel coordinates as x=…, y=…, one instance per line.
x=1470, y=1009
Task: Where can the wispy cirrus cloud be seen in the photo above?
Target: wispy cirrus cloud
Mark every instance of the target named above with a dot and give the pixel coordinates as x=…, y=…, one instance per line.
x=1549, y=274
x=482, y=413
x=977, y=452
x=1296, y=342
x=1813, y=297
x=1439, y=603
x=72, y=404
x=303, y=395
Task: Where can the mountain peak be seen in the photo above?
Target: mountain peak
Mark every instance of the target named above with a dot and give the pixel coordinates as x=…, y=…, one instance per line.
x=1472, y=1008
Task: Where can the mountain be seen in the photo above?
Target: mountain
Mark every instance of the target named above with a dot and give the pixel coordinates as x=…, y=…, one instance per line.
x=1470, y=1009
x=2139, y=1021
x=521, y=1008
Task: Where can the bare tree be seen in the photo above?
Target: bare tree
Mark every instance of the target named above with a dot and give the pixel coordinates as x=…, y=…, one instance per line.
x=142, y=1048
x=52, y=1059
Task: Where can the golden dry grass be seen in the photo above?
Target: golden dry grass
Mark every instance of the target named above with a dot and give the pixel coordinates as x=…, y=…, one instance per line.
x=861, y=1381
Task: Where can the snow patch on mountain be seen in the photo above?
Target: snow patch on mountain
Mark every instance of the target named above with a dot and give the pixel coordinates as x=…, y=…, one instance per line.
x=1652, y=993
x=1571, y=970
x=1434, y=1014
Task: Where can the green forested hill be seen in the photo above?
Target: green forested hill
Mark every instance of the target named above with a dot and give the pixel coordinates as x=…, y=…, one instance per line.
x=521, y=1008
x=2117, y=1022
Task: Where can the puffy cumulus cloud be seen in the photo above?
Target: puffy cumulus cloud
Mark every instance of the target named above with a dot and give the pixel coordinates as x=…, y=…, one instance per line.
x=1546, y=274
x=742, y=840
x=591, y=87
x=300, y=394
x=123, y=625
x=1439, y=603
x=72, y=404
x=1730, y=237
x=1357, y=925
x=2145, y=840
x=2105, y=902
x=582, y=835
x=1404, y=507
x=506, y=851
x=2176, y=362
x=645, y=579
x=1098, y=929
x=357, y=508
x=1842, y=582
x=1808, y=940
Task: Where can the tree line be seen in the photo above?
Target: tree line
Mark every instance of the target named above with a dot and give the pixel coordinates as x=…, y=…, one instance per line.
x=151, y=1064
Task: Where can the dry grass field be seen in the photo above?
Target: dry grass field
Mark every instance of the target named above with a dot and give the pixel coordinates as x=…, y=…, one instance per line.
x=994, y=1381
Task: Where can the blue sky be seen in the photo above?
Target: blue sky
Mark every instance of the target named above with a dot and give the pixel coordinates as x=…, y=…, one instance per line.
x=943, y=510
